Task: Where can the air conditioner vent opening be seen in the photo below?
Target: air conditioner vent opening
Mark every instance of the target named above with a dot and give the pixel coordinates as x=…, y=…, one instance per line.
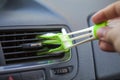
x=15, y=54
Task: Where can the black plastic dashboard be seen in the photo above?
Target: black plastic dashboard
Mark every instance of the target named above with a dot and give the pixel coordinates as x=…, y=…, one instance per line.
x=22, y=20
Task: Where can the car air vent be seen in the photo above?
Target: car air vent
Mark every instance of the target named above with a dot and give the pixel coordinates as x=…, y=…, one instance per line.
x=13, y=38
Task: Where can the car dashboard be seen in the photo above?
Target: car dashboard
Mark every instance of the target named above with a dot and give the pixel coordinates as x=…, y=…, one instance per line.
x=21, y=21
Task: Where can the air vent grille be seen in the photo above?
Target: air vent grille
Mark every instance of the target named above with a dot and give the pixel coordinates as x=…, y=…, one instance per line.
x=13, y=53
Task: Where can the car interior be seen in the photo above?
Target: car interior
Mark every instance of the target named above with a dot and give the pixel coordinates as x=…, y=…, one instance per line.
x=21, y=21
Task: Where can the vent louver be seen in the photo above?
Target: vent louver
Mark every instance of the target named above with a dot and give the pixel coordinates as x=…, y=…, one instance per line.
x=14, y=54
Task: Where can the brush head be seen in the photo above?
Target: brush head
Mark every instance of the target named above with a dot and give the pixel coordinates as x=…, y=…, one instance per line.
x=56, y=39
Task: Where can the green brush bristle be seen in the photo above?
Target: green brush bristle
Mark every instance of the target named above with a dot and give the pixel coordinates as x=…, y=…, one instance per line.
x=56, y=39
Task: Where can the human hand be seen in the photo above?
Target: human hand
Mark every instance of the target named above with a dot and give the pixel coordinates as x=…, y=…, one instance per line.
x=109, y=37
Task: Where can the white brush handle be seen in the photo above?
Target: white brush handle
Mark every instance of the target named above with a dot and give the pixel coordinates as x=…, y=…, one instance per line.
x=81, y=31
x=82, y=36
x=81, y=42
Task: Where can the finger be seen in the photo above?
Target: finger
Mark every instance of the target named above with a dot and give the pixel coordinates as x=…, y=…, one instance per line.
x=107, y=13
x=102, y=32
x=106, y=46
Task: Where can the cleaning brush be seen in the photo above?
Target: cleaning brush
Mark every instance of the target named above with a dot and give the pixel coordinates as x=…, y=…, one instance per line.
x=64, y=41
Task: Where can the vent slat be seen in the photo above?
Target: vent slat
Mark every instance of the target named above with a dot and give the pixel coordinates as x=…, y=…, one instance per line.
x=34, y=57
x=22, y=52
x=25, y=34
x=23, y=40
x=11, y=47
x=23, y=58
